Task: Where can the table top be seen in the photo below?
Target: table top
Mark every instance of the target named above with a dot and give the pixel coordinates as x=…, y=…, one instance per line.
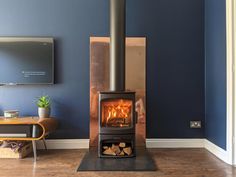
x=47, y=124
x=23, y=120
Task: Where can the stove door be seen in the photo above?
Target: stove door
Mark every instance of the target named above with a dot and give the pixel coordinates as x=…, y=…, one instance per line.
x=116, y=113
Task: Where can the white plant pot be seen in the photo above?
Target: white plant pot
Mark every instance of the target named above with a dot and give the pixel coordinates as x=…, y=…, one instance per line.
x=44, y=112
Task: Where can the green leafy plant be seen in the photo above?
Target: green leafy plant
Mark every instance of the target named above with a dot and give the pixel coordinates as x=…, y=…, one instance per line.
x=44, y=102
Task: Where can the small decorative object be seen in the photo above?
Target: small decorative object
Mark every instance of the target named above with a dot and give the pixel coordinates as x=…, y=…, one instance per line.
x=11, y=113
x=15, y=149
x=44, y=104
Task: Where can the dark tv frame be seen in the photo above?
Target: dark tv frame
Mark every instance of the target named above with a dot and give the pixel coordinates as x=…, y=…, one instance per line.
x=32, y=38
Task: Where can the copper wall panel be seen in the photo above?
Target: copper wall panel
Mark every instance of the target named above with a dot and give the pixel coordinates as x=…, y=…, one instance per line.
x=135, y=81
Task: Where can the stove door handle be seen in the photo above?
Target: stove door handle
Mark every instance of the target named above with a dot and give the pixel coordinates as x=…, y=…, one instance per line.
x=136, y=117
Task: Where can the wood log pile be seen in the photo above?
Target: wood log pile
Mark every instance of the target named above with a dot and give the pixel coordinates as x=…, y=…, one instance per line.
x=121, y=149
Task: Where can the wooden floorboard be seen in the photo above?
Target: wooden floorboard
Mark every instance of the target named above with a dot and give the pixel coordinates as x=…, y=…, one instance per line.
x=170, y=162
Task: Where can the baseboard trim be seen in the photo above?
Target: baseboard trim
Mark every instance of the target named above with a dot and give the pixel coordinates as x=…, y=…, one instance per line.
x=64, y=144
x=150, y=143
x=217, y=151
x=175, y=143
x=190, y=143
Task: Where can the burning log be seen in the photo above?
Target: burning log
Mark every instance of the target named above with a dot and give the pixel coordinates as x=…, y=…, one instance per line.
x=127, y=150
x=105, y=147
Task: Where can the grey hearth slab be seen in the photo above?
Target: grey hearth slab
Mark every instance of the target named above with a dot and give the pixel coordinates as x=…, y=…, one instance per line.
x=142, y=162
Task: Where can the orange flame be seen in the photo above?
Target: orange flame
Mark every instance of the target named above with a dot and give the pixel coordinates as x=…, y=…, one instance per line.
x=117, y=109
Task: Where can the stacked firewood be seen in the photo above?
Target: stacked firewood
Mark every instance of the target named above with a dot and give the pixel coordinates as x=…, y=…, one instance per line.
x=121, y=149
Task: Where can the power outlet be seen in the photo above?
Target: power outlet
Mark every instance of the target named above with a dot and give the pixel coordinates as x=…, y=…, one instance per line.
x=195, y=124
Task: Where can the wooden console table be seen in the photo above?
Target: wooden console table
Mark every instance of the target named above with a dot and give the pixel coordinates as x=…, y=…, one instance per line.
x=46, y=126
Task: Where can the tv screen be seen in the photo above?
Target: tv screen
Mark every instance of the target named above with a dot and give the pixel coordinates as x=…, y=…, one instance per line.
x=26, y=60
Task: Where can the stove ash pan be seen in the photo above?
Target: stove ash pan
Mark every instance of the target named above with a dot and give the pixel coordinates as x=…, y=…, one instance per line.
x=117, y=113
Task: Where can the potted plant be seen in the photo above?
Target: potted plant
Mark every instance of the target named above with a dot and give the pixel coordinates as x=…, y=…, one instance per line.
x=44, y=104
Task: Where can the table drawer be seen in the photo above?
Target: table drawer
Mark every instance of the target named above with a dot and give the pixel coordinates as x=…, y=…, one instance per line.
x=20, y=131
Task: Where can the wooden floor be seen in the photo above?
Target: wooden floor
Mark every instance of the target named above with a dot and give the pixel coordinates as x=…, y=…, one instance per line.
x=170, y=162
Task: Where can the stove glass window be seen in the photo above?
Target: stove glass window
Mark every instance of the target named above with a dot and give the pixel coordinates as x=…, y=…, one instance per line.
x=116, y=113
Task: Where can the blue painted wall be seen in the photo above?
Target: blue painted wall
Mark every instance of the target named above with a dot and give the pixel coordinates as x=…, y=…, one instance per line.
x=175, y=59
x=175, y=64
x=215, y=51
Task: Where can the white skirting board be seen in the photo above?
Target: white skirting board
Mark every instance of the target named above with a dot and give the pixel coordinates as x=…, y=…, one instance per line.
x=150, y=143
x=217, y=151
x=190, y=143
x=64, y=144
x=175, y=143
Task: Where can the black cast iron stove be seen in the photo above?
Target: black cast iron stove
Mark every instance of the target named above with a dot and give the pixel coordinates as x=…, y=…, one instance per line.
x=117, y=116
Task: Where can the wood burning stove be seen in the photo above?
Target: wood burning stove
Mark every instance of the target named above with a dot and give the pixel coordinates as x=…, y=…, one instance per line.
x=117, y=117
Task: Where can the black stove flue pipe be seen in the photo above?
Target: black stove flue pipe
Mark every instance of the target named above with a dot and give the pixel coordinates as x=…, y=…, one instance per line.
x=117, y=45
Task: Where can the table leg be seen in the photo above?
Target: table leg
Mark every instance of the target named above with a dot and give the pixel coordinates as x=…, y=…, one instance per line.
x=34, y=150
x=44, y=143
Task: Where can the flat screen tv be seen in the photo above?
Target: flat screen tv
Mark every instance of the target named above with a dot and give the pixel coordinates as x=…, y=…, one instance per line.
x=26, y=60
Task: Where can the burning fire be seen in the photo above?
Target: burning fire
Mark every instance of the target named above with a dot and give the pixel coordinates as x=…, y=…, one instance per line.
x=117, y=112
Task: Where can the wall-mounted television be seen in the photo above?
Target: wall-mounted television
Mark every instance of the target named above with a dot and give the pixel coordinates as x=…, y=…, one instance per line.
x=26, y=60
